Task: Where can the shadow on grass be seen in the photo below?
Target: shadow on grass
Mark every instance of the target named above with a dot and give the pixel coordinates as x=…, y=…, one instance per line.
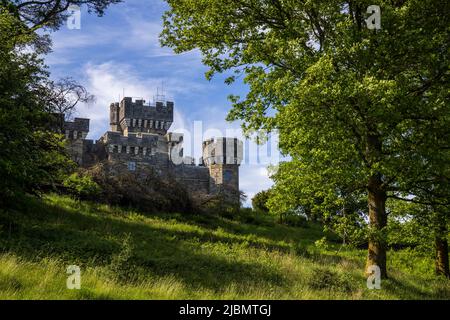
x=43, y=230
x=410, y=292
x=259, y=226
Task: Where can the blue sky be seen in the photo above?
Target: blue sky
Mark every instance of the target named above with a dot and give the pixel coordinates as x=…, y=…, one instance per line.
x=120, y=52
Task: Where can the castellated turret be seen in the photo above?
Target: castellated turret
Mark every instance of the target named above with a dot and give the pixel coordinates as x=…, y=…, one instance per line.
x=223, y=156
x=76, y=132
x=130, y=116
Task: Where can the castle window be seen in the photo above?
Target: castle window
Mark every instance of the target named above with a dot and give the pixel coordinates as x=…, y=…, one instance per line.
x=156, y=124
x=227, y=176
x=133, y=123
x=132, y=150
x=131, y=166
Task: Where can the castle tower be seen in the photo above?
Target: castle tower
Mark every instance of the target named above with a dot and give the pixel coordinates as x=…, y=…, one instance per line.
x=223, y=157
x=137, y=117
x=76, y=133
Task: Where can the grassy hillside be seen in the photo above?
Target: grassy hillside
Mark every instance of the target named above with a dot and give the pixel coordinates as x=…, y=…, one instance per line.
x=128, y=255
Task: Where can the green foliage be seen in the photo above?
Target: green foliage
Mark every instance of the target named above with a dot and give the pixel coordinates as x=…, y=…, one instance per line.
x=323, y=279
x=32, y=157
x=322, y=244
x=82, y=186
x=121, y=268
x=51, y=14
x=412, y=226
x=259, y=201
x=295, y=220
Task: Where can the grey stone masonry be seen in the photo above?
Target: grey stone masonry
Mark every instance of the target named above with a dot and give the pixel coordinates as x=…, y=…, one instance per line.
x=78, y=129
x=76, y=133
x=223, y=157
x=130, y=116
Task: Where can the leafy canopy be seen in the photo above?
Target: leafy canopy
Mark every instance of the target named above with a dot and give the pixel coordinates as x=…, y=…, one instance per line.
x=350, y=102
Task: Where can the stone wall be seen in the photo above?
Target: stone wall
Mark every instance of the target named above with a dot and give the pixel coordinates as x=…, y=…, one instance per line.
x=194, y=178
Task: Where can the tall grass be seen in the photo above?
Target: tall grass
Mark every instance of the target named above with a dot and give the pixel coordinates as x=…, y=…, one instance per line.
x=124, y=254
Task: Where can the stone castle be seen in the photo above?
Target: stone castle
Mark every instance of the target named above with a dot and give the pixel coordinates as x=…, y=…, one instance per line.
x=139, y=139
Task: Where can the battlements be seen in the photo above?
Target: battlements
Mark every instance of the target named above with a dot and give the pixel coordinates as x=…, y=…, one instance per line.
x=78, y=129
x=136, y=116
x=223, y=151
x=137, y=144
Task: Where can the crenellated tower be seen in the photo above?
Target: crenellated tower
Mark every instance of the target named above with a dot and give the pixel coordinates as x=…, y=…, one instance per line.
x=76, y=133
x=223, y=156
x=130, y=116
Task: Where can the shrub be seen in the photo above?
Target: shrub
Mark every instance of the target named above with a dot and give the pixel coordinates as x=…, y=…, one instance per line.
x=295, y=220
x=122, y=267
x=147, y=191
x=323, y=279
x=259, y=201
x=322, y=244
x=226, y=202
x=82, y=186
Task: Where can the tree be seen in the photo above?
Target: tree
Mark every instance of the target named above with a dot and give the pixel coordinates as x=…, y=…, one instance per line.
x=51, y=14
x=354, y=106
x=31, y=154
x=423, y=227
x=431, y=207
x=63, y=97
x=259, y=201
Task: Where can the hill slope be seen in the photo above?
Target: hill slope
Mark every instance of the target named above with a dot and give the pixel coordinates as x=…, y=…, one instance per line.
x=127, y=255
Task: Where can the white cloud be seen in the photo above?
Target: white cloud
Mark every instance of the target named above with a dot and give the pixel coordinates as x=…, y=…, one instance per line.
x=132, y=33
x=109, y=81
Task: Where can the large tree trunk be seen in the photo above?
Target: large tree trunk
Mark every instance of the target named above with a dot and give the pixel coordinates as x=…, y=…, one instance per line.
x=377, y=208
x=441, y=246
x=378, y=220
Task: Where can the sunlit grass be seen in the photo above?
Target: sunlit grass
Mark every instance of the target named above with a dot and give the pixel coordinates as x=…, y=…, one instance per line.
x=124, y=254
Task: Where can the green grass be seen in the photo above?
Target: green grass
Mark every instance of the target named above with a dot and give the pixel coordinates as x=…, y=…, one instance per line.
x=127, y=255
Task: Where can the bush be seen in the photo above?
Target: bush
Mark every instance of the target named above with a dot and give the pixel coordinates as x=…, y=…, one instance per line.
x=323, y=279
x=259, y=201
x=226, y=202
x=122, y=266
x=322, y=244
x=295, y=220
x=147, y=191
x=82, y=186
